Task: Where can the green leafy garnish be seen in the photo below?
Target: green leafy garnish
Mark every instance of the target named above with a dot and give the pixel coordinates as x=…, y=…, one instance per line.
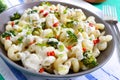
x=29, y=32
x=63, y=26
x=20, y=40
x=33, y=11
x=61, y=48
x=36, y=31
x=5, y=34
x=16, y=22
x=80, y=30
x=43, y=24
x=72, y=36
x=41, y=44
x=71, y=40
x=8, y=33
x=65, y=11
x=70, y=24
x=15, y=16
x=57, y=14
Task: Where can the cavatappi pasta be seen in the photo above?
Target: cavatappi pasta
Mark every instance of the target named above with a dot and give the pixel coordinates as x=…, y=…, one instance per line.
x=54, y=39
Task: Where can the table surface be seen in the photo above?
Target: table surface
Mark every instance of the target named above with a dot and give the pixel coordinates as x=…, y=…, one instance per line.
x=115, y=3
x=110, y=71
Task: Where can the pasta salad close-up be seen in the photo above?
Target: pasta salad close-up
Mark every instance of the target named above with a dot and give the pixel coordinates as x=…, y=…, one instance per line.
x=54, y=39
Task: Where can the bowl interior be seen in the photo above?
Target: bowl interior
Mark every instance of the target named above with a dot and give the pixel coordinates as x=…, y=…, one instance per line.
x=102, y=59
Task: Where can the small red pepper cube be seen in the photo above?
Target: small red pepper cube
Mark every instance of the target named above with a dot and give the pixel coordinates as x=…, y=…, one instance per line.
x=51, y=53
x=45, y=14
x=96, y=41
x=41, y=70
x=55, y=24
x=84, y=49
x=69, y=47
x=41, y=11
x=12, y=23
x=48, y=53
x=91, y=24
x=7, y=38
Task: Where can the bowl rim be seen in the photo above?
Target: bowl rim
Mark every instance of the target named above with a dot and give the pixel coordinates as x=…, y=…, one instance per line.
x=6, y=59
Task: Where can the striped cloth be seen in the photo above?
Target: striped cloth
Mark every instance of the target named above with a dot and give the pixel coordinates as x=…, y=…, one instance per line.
x=110, y=71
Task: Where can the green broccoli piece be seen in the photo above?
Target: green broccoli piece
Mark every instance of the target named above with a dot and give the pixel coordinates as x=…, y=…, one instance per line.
x=57, y=14
x=41, y=44
x=36, y=31
x=2, y=6
x=8, y=33
x=60, y=48
x=43, y=24
x=71, y=40
x=63, y=26
x=89, y=60
x=31, y=12
x=65, y=11
x=80, y=30
x=52, y=42
x=20, y=40
x=70, y=24
x=15, y=16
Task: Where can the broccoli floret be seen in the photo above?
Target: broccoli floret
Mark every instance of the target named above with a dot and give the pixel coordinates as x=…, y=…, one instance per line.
x=15, y=16
x=8, y=33
x=52, y=42
x=65, y=11
x=31, y=12
x=71, y=40
x=20, y=40
x=63, y=26
x=80, y=30
x=43, y=24
x=41, y=44
x=70, y=24
x=57, y=14
x=89, y=60
x=36, y=31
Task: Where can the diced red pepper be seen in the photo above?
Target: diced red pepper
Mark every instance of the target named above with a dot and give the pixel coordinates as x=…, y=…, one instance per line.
x=55, y=24
x=7, y=38
x=96, y=41
x=84, y=49
x=91, y=24
x=51, y=53
x=41, y=11
x=69, y=47
x=12, y=23
x=45, y=14
x=41, y=70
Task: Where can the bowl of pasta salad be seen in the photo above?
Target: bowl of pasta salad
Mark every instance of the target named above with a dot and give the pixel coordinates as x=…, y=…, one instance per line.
x=54, y=39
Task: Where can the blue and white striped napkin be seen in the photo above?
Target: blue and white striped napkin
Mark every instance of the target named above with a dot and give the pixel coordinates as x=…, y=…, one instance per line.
x=110, y=71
